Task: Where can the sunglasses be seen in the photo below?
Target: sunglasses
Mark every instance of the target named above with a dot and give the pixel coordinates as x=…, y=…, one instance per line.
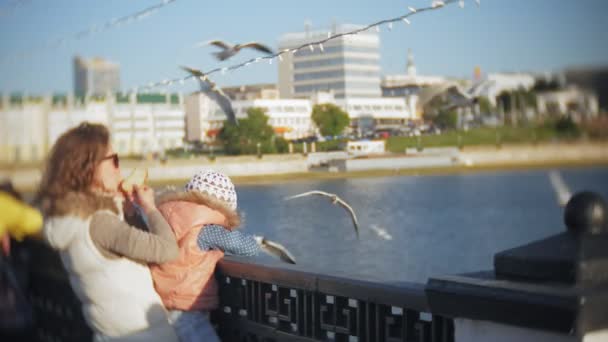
x=114, y=158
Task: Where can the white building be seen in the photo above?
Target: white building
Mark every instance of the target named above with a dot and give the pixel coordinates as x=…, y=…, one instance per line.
x=252, y=92
x=23, y=134
x=349, y=66
x=380, y=112
x=494, y=84
x=62, y=117
x=392, y=84
x=573, y=101
x=386, y=112
x=409, y=85
x=290, y=118
x=148, y=123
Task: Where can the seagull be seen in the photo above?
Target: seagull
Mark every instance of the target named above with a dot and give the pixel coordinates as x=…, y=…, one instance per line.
x=457, y=103
x=229, y=50
x=216, y=94
x=275, y=249
x=381, y=232
x=460, y=97
x=561, y=189
x=334, y=200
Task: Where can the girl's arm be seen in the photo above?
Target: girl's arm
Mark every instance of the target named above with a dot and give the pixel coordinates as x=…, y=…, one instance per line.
x=213, y=236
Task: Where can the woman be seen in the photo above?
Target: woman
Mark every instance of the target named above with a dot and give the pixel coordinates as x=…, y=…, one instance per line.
x=104, y=256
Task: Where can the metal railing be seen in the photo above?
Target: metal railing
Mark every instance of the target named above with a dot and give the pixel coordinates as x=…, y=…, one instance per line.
x=263, y=302
x=57, y=311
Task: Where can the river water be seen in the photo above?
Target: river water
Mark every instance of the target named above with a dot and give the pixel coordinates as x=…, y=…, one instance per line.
x=412, y=227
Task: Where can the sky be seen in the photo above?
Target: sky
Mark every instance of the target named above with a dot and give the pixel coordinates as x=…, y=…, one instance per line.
x=498, y=36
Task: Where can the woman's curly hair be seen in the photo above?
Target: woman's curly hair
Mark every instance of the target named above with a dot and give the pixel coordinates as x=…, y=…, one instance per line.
x=71, y=163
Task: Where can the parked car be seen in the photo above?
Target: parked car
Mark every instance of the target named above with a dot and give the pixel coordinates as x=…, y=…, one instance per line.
x=382, y=134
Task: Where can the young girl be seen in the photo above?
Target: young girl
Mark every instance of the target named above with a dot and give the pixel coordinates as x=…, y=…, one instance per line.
x=203, y=218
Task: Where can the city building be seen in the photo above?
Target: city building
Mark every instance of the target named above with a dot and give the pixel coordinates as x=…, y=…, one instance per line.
x=574, y=101
x=386, y=113
x=349, y=66
x=495, y=83
x=23, y=134
x=95, y=77
x=63, y=115
x=142, y=124
x=147, y=123
x=409, y=85
x=252, y=92
x=375, y=113
x=592, y=78
x=290, y=118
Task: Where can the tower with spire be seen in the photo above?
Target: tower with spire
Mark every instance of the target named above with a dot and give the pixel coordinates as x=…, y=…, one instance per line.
x=411, y=66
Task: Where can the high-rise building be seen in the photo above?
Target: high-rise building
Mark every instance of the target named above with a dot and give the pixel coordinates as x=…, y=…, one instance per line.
x=95, y=77
x=348, y=66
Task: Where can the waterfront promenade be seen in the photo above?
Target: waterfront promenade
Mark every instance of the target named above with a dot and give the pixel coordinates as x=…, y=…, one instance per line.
x=271, y=168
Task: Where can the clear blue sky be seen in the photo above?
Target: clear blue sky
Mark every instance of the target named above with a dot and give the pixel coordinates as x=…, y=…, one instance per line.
x=501, y=35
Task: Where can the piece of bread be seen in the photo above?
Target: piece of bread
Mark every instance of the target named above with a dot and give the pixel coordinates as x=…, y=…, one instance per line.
x=138, y=177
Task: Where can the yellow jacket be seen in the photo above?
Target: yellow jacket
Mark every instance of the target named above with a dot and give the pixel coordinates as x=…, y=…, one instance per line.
x=17, y=218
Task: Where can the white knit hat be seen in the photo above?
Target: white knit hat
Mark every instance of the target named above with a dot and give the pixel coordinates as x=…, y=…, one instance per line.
x=214, y=184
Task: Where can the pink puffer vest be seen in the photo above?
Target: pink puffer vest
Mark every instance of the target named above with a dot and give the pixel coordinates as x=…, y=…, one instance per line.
x=187, y=283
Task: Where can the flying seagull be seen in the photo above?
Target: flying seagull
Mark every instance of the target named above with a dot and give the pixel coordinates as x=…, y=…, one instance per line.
x=561, y=189
x=216, y=94
x=229, y=50
x=334, y=200
x=381, y=232
x=275, y=249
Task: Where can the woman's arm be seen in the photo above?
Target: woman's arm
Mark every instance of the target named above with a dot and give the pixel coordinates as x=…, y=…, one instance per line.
x=233, y=242
x=111, y=234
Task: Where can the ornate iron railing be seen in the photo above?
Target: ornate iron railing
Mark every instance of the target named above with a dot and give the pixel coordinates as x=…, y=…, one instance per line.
x=57, y=311
x=263, y=302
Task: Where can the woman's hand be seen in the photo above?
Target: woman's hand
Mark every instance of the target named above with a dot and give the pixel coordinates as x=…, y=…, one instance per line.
x=144, y=196
x=128, y=207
